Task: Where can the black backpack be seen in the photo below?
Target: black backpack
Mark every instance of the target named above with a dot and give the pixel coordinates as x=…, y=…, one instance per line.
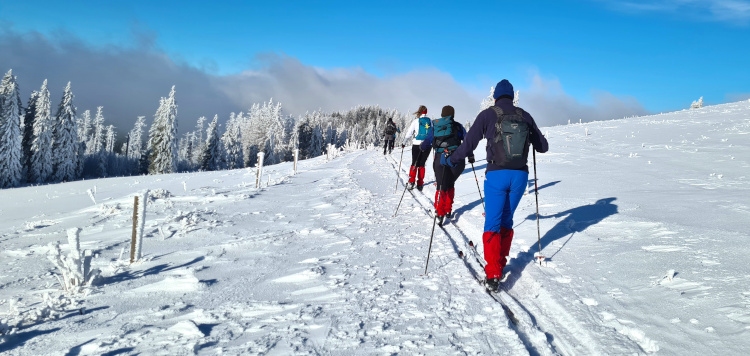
x=390, y=128
x=512, y=133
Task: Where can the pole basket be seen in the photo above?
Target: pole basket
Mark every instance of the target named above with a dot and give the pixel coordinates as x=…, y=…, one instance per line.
x=539, y=257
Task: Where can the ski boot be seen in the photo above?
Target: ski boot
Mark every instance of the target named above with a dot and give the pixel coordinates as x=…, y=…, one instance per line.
x=492, y=284
x=419, y=187
x=410, y=186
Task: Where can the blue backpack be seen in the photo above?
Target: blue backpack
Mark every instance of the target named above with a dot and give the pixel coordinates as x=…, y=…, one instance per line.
x=445, y=135
x=424, y=125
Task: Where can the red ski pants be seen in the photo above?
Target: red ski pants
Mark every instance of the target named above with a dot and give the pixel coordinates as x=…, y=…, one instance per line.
x=416, y=173
x=444, y=201
x=496, y=251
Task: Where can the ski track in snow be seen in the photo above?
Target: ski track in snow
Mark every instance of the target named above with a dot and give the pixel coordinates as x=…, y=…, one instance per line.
x=315, y=263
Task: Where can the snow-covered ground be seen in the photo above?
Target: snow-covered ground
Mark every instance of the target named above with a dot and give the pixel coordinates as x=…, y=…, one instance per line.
x=644, y=227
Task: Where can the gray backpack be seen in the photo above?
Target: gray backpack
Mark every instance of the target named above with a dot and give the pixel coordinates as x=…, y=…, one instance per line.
x=512, y=134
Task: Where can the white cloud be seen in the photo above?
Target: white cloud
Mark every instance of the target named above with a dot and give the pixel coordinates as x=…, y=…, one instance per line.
x=303, y=88
x=737, y=97
x=128, y=82
x=546, y=100
x=734, y=11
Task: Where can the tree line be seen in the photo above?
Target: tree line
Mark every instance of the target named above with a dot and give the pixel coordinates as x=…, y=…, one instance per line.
x=38, y=147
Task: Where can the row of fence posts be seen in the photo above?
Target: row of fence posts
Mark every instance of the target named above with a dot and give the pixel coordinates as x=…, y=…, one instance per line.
x=139, y=215
x=259, y=167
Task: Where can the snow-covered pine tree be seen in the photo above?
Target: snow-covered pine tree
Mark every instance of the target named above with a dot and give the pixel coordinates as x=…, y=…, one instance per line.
x=163, y=137
x=81, y=158
x=135, y=138
x=212, y=150
x=515, y=98
x=488, y=101
x=232, y=143
x=28, y=131
x=294, y=136
x=183, y=153
x=279, y=134
x=315, y=143
x=11, y=152
x=110, y=138
x=65, y=140
x=249, y=133
x=197, y=143
x=96, y=145
x=84, y=127
x=40, y=170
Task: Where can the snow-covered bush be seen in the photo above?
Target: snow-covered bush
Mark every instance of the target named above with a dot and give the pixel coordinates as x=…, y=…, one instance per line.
x=697, y=104
x=75, y=267
x=19, y=315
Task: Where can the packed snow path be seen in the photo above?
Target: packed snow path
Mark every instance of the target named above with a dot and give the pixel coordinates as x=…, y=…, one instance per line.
x=641, y=225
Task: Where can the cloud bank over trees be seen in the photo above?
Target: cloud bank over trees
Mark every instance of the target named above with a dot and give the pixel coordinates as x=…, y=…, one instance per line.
x=129, y=80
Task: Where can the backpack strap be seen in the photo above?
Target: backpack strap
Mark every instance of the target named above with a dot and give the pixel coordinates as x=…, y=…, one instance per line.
x=498, y=111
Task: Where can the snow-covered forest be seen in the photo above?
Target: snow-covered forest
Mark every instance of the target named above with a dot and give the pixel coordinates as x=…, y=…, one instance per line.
x=39, y=145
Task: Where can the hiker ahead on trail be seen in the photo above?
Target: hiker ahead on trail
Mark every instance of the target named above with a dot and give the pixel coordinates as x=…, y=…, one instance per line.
x=509, y=131
x=444, y=137
x=389, y=136
x=416, y=133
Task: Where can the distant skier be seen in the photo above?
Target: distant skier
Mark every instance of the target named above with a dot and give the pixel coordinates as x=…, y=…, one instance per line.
x=389, y=136
x=509, y=131
x=444, y=137
x=416, y=133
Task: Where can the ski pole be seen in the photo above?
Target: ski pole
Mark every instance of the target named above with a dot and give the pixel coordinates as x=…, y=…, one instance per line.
x=398, y=172
x=405, y=186
x=536, y=193
x=399, y=202
x=479, y=190
x=434, y=222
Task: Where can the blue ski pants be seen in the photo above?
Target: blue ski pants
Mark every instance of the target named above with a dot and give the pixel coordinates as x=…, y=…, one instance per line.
x=503, y=191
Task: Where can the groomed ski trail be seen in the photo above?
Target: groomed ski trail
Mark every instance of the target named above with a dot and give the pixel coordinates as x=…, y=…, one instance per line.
x=544, y=325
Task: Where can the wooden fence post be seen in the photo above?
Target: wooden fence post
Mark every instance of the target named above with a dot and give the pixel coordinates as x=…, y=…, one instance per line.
x=260, y=169
x=135, y=223
x=296, y=157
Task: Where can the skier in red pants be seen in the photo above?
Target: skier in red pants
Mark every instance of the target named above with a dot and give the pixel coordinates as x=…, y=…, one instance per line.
x=509, y=131
x=416, y=133
x=444, y=137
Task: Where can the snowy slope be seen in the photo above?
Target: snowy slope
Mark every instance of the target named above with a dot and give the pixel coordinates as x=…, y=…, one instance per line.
x=643, y=225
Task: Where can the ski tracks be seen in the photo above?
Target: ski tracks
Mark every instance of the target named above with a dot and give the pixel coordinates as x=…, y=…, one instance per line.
x=544, y=325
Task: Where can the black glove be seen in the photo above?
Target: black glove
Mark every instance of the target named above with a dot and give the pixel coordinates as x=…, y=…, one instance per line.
x=471, y=159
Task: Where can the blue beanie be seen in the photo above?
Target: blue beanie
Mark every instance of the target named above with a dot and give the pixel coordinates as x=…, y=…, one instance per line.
x=503, y=88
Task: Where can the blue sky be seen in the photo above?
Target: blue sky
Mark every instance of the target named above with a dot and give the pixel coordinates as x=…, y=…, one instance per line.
x=659, y=54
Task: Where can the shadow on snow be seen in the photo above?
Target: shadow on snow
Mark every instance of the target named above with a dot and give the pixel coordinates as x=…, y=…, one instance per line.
x=575, y=220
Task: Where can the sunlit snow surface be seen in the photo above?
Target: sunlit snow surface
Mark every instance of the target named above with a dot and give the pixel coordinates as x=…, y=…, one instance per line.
x=644, y=223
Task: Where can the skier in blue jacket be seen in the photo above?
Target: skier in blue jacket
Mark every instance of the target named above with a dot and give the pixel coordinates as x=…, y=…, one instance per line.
x=509, y=132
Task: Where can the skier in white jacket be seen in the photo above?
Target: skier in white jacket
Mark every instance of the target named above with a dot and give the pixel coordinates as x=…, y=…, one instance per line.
x=416, y=133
